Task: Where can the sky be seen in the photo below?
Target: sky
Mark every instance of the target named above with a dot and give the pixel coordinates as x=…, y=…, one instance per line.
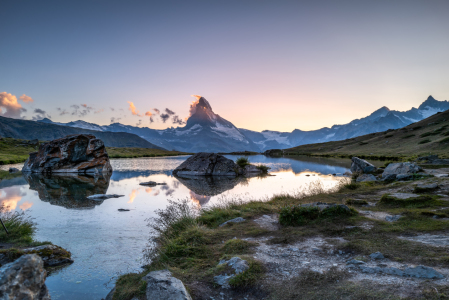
x=275, y=65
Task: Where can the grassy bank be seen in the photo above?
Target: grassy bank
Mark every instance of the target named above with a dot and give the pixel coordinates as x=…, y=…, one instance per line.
x=14, y=151
x=115, y=152
x=190, y=243
x=429, y=136
x=7, y=175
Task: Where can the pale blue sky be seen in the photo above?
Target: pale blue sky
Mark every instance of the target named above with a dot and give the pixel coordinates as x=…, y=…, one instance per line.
x=276, y=65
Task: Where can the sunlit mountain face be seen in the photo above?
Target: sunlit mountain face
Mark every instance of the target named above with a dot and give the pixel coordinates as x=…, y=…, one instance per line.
x=207, y=131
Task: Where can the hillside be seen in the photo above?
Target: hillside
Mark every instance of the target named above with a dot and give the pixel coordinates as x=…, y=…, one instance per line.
x=29, y=130
x=429, y=136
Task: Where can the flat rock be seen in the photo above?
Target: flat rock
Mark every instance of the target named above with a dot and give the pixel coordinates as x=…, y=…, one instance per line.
x=51, y=255
x=103, y=196
x=427, y=187
x=366, y=178
x=236, y=220
x=78, y=153
x=24, y=279
x=161, y=285
x=403, y=168
x=404, y=195
x=239, y=265
x=376, y=255
x=355, y=262
x=442, y=175
x=423, y=272
x=404, y=177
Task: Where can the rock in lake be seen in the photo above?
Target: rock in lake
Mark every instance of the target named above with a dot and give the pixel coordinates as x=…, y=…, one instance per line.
x=204, y=163
x=361, y=166
x=405, y=168
x=24, y=279
x=78, y=153
x=13, y=170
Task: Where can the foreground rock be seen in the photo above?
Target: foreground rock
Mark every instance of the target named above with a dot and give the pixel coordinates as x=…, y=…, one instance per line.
x=162, y=285
x=212, y=164
x=13, y=170
x=401, y=170
x=366, y=178
x=416, y=272
x=24, y=279
x=51, y=255
x=79, y=153
x=323, y=206
x=359, y=165
x=239, y=265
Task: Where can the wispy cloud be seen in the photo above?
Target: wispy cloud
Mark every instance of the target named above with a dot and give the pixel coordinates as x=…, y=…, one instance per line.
x=26, y=99
x=133, y=109
x=13, y=108
x=40, y=114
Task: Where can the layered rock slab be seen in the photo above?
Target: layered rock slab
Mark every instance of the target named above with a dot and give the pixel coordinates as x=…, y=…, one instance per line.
x=78, y=153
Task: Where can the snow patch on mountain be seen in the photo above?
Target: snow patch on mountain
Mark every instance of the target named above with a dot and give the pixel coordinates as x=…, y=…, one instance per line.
x=225, y=131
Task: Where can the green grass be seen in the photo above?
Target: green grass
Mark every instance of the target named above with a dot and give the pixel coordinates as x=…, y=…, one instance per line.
x=249, y=277
x=7, y=175
x=417, y=202
x=115, y=152
x=12, y=151
x=408, y=136
x=242, y=161
x=237, y=246
x=445, y=140
x=263, y=168
x=20, y=227
x=298, y=216
x=424, y=141
x=129, y=286
x=356, y=202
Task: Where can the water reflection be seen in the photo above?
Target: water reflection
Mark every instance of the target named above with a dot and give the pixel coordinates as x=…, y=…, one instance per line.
x=11, y=196
x=69, y=191
x=209, y=185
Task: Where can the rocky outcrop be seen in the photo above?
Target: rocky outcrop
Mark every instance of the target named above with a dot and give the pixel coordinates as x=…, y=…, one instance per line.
x=204, y=163
x=51, y=255
x=359, y=165
x=239, y=265
x=24, y=279
x=161, y=285
x=79, y=153
x=404, y=168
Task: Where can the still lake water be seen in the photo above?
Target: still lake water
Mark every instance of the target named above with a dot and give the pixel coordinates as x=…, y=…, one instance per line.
x=105, y=242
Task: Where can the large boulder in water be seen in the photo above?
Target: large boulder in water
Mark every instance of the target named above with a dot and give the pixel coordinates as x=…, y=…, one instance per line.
x=24, y=279
x=203, y=163
x=78, y=153
x=359, y=165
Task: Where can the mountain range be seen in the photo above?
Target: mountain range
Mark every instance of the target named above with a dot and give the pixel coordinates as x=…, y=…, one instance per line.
x=208, y=132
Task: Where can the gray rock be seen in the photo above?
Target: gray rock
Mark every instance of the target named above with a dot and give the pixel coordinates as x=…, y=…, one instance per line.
x=423, y=272
x=239, y=265
x=24, y=279
x=236, y=220
x=58, y=257
x=78, y=153
x=442, y=175
x=110, y=294
x=223, y=280
x=151, y=183
x=323, y=206
x=427, y=187
x=347, y=173
x=370, y=270
x=393, y=271
x=204, y=163
x=388, y=178
x=251, y=170
x=361, y=166
x=404, y=168
x=13, y=170
x=99, y=197
x=161, y=285
x=366, y=178
x=404, y=195
x=393, y=218
x=376, y=255
x=404, y=177
x=355, y=262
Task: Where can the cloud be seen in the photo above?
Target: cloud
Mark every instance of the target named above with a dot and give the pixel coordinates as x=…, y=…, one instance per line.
x=170, y=112
x=133, y=109
x=148, y=114
x=139, y=123
x=164, y=117
x=26, y=99
x=13, y=108
x=40, y=114
x=151, y=120
x=99, y=111
x=157, y=111
x=111, y=108
x=61, y=111
x=178, y=120
x=115, y=120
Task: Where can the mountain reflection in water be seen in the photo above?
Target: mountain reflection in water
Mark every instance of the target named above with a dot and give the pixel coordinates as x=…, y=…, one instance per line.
x=68, y=190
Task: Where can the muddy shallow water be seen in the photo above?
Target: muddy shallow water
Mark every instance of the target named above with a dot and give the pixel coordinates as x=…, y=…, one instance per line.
x=105, y=242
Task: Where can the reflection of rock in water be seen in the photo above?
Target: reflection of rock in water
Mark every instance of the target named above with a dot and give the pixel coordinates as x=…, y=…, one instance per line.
x=69, y=191
x=203, y=186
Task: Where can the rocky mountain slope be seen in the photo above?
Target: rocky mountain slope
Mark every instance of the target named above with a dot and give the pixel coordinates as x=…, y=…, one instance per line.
x=24, y=129
x=429, y=136
x=380, y=120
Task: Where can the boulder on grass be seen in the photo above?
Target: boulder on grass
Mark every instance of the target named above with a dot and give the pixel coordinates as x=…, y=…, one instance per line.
x=161, y=285
x=359, y=165
x=78, y=153
x=404, y=168
x=366, y=178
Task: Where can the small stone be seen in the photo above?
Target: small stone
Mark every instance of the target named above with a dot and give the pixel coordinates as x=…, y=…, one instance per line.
x=236, y=220
x=393, y=218
x=316, y=249
x=377, y=255
x=442, y=175
x=355, y=262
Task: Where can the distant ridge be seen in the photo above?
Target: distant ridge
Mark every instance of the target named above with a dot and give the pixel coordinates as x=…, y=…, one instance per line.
x=24, y=129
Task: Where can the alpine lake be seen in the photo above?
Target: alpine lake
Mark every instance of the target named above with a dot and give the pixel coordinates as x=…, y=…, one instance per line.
x=106, y=242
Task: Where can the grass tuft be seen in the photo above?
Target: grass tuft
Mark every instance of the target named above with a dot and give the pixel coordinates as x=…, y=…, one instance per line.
x=300, y=215
x=249, y=277
x=20, y=227
x=417, y=202
x=242, y=161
